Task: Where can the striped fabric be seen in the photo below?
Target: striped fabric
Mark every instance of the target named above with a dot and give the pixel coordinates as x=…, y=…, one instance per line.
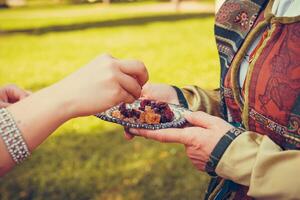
x=234, y=20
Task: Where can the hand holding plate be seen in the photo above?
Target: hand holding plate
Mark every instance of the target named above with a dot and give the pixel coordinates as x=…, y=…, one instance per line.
x=199, y=140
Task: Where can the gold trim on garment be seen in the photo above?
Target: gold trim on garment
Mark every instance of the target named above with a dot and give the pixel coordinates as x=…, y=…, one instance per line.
x=245, y=111
x=236, y=63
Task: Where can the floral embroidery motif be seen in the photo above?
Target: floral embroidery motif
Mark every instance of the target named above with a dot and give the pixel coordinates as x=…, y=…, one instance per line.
x=236, y=16
x=230, y=35
x=294, y=125
x=242, y=19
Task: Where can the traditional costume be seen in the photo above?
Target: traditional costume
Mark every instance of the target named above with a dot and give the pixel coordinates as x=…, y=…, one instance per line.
x=259, y=48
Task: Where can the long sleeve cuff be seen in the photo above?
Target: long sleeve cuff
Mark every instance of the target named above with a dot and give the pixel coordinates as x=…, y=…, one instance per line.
x=182, y=100
x=220, y=148
x=197, y=99
x=254, y=160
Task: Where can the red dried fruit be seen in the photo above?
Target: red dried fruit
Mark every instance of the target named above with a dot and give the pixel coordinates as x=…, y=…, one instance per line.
x=145, y=103
x=149, y=112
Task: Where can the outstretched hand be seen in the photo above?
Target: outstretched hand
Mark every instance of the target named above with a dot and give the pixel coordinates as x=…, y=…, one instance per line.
x=157, y=92
x=10, y=94
x=199, y=140
x=101, y=84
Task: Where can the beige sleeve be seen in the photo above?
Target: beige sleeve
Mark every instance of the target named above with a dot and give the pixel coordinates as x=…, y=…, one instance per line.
x=204, y=100
x=256, y=161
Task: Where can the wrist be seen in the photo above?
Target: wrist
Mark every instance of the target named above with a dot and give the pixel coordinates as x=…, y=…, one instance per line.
x=60, y=101
x=38, y=115
x=220, y=148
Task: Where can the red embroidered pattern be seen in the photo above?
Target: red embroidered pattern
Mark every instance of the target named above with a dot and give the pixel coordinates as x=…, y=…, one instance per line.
x=290, y=138
x=294, y=124
x=268, y=123
x=275, y=86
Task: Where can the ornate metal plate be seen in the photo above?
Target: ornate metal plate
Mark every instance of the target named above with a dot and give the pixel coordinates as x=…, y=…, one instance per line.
x=178, y=121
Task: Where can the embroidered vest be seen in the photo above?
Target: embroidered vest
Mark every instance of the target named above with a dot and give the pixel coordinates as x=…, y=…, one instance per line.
x=269, y=102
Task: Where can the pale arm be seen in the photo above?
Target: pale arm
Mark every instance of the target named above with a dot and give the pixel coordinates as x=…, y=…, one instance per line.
x=37, y=116
x=101, y=84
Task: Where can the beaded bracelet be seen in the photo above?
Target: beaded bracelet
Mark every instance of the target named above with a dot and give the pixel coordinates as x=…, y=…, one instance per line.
x=12, y=137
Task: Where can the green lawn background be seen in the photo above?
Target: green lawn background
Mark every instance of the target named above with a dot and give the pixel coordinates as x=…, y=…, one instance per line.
x=87, y=158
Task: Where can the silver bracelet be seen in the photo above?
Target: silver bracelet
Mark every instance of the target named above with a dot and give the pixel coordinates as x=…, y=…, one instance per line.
x=12, y=137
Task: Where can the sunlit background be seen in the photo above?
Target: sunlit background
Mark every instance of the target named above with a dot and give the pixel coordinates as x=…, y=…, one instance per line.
x=41, y=41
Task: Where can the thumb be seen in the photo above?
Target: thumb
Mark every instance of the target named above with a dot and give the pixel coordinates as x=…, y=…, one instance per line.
x=147, y=91
x=15, y=93
x=200, y=118
x=127, y=134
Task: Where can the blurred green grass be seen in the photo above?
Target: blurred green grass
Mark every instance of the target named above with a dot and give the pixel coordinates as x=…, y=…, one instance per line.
x=87, y=158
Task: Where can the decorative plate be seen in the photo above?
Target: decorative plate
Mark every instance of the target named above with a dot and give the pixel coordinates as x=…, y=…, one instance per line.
x=177, y=121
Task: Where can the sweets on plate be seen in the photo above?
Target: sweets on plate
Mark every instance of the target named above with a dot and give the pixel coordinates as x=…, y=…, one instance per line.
x=148, y=112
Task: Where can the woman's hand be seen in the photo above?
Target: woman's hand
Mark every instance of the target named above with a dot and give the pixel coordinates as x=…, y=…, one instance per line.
x=199, y=140
x=10, y=94
x=158, y=92
x=101, y=84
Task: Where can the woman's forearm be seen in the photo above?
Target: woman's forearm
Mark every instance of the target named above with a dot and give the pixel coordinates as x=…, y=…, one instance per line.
x=37, y=116
x=40, y=114
x=101, y=84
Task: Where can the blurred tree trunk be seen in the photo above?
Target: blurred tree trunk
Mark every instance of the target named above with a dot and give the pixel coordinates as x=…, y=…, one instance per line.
x=106, y=2
x=12, y=3
x=176, y=3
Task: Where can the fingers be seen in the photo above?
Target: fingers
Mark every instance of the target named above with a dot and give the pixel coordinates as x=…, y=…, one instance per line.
x=128, y=135
x=200, y=119
x=15, y=93
x=135, y=69
x=130, y=85
x=146, y=90
x=28, y=92
x=149, y=91
x=163, y=135
x=126, y=97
